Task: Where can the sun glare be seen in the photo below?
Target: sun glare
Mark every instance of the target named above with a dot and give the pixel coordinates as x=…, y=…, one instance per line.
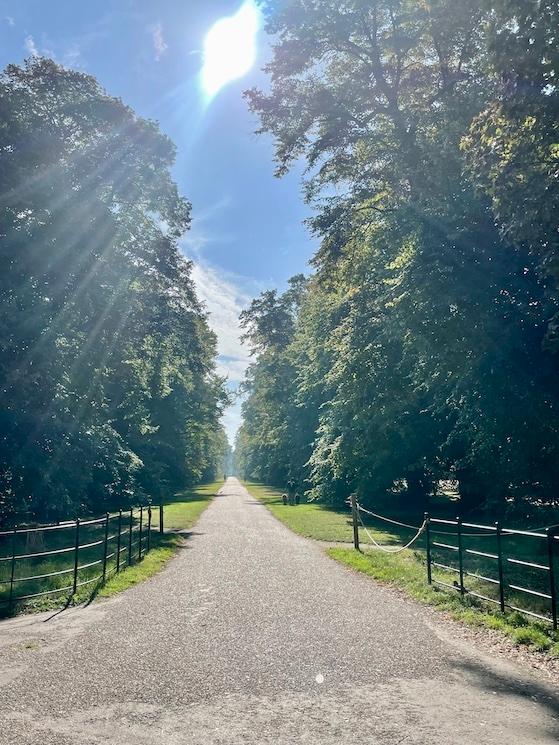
x=230, y=48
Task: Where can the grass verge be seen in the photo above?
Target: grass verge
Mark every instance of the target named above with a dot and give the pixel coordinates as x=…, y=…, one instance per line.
x=181, y=511
x=164, y=549
x=184, y=508
x=405, y=570
x=309, y=519
x=407, y=573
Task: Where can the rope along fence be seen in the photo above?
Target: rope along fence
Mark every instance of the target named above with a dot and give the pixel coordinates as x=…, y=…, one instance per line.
x=513, y=569
x=390, y=549
x=63, y=558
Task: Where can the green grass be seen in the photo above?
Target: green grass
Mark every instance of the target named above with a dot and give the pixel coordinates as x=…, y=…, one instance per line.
x=181, y=511
x=165, y=548
x=309, y=518
x=407, y=572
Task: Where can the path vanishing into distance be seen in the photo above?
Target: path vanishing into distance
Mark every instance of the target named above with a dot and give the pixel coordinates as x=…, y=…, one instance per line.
x=253, y=635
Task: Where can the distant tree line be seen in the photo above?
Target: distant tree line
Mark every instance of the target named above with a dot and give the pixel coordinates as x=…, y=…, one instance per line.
x=424, y=346
x=108, y=390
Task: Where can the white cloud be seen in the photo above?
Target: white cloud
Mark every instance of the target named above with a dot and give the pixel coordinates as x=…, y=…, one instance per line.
x=30, y=46
x=232, y=420
x=199, y=236
x=225, y=295
x=9, y=20
x=224, y=300
x=72, y=56
x=232, y=367
x=69, y=55
x=160, y=46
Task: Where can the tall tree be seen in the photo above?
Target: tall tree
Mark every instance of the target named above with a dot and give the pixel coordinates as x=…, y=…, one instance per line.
x=106, y=359
x=426, y=321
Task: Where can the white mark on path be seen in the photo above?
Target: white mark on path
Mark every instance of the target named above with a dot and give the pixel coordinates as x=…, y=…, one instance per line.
x=319, y=679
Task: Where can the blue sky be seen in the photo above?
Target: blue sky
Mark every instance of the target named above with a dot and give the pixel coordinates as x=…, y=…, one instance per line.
x=247, y=233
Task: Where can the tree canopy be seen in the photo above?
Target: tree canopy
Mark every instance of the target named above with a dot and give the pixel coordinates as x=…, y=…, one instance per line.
x=424, y=345
x=107, y=364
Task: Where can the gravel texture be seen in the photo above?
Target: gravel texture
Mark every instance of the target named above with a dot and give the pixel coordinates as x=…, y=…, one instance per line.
x=252, y=635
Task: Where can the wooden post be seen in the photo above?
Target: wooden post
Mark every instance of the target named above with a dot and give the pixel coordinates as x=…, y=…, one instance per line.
x=130, y=537
x=161, y=517
x=140, y=540
x=118, y=541
x=355, y=522
x=460, y=554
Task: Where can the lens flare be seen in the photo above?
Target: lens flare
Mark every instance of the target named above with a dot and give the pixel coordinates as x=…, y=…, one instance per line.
x=230, y=48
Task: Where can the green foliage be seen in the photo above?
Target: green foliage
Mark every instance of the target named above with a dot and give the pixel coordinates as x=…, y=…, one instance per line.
x=274, y=442
x=421, y=348
x=106, y=359
x=512, y=147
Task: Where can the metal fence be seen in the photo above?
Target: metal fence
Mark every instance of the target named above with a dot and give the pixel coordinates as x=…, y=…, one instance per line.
x=500, y=561
x=55, y=559
x=515, y=570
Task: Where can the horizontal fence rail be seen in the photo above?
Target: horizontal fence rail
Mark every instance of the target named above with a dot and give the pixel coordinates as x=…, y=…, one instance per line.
x=545, y=544
x=53, y=559
x=512, y=569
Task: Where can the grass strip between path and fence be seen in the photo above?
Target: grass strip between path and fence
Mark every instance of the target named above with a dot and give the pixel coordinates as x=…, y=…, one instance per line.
x=73, y=562
x=407, y=570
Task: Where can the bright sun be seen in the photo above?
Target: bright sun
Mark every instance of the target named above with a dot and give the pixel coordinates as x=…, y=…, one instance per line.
x=230, y=48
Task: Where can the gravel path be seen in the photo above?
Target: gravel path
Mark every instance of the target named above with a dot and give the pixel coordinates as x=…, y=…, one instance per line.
x=253, y=635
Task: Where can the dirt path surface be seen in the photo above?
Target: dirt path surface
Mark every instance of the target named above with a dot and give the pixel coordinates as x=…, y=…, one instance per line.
x=252, y=635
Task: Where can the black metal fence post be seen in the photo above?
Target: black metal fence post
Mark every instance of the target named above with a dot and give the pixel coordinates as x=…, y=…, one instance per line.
x=149, y=528
x=130, y=537
x=500, y=567
x=428, y=547
x=105, y=547
x=76, y=557
x=161, y=517
x=353, y=502
x=140, y=541
x=460, y=556
x=552, y=587
x=13, y=570
x=118, y=541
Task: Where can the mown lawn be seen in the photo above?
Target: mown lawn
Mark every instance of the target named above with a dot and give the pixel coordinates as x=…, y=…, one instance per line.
x=184, y=508
x=407, y=570
x=181, y=511
x=308, y=519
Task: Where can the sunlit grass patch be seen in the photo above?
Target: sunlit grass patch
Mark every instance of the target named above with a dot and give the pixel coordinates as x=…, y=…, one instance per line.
x=164, y=549
x=309, y=519
x=406, y=572
x=181, y=511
